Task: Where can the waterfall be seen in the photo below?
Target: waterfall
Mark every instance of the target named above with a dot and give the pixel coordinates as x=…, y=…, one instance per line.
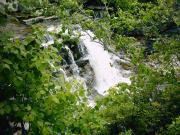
x=100, y=70
x=82, y=49
x=73, y=65
x=106, y=72
x=64, y=74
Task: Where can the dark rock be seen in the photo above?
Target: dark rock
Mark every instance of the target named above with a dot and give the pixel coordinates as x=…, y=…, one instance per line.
x=64, y=54
x=87, y=73
x=98, y=3
x=149, y=47
x=173, y=30
x=100, y=8
x=82, y=62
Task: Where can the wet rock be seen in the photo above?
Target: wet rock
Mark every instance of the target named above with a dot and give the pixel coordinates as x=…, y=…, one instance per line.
x=39, y=19
x=82, y=62
x=76, y=52
x=48, y=40
x=87, y=73
x=125, y=64
x=149, y=47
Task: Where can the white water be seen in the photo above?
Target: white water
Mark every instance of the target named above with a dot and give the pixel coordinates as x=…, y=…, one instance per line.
x=73, y=65
x=106, y=73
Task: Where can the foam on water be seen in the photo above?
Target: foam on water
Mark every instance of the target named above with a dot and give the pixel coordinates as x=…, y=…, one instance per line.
x=106, y=73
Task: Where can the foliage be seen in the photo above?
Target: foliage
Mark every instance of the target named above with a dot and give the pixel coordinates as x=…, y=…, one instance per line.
x=61, y=8
x=173, y=129
x=32, y=93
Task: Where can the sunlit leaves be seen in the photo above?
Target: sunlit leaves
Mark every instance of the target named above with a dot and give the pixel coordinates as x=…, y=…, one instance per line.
x=31, y=90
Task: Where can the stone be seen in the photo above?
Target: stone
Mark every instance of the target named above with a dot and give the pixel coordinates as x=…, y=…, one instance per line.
x=82, y=62
x=39, y=19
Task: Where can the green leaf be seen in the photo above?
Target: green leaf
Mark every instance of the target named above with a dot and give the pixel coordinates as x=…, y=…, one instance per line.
x=6, y=66
x=15, y=108
x=7, y=61
x=7, y=109
x=28, y=108
x=55, y=99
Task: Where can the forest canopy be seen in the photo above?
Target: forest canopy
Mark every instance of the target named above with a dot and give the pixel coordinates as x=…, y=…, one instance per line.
x=35, y=100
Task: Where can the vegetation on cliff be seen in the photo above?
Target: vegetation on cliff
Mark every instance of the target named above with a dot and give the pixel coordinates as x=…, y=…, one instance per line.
x=36, y=100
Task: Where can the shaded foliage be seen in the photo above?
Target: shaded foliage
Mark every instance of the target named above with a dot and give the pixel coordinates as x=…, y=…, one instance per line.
x=146, y=31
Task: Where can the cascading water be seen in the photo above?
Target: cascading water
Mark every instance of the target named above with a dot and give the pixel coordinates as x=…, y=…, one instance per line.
x=103, y=68
x=102, y=63
x=73, y=65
